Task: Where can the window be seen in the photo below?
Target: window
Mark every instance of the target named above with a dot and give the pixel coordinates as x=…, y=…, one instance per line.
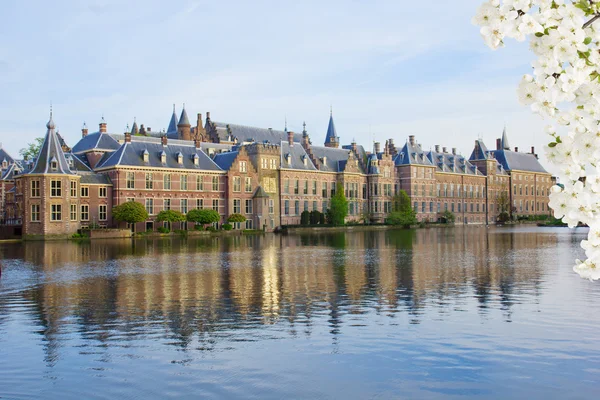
x=324, y=190
x=248, y=206
x=102, y=214
x=264, y=163
x=314, y=187
x=273, y=163
x=271, y=206
x=199, y=204
x=237, y=206
x=183, y=182
x=416, y=206
x=130, y=177
x=149, y=181
x=85, y=212
x=56, y=212
x=459, y=207
x=73, y=212
x=215, y=203
x=56, y=189
x=166, y=204
x=314, y=207
x=286, y=186
x=102, y=192
x=150, y=206
x=431, y=206
x=305, y=187
x=35, y=188
x=243, y=166
x=249, y=224
x=73, y=188
x=35, y=212
x=237, y=184
x=296, y=186
x=287, y=207
x=215, y=183
x=54, y=165
x=184, y=206
x=305, y=206
x=167, y=182
x=423, y=207
x=297, y=207
x=324, y=207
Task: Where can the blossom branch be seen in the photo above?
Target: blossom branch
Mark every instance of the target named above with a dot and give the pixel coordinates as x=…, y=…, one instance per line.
x=591, y=21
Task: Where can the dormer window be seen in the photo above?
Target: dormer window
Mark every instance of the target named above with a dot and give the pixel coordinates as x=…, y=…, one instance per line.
x=196, y=159
x=163, y=157
x=288, y=158
x=304, y=159
x=4, y=164
x=179, y=158
x=145, y=156
x=53, y=164
x=324, y=160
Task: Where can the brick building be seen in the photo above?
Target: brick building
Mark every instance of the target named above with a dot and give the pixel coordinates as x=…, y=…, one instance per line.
x=270, y=176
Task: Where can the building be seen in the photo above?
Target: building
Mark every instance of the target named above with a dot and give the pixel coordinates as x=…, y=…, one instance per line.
x=269, y=176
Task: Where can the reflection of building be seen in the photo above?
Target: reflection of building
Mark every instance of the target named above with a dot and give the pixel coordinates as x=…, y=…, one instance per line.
x=269, y=176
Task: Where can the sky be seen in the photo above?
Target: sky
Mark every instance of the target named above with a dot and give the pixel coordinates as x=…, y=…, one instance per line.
x=388, y=69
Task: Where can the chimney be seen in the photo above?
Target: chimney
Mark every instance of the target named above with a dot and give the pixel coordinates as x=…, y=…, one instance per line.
x=353, y=146
x=291, y=138
x=208, y=115
x=127, y=137
x=516, y=149
x=454, y=150
x=411, y=140
x=148, y=129
x=199, y=120
x=163, y=140
x=437, y=148
x=532, y=150
x=102, y=126
x=377, y=147
x=444, y=150
x=386, y=148
x=498, y=144
x=84, y=130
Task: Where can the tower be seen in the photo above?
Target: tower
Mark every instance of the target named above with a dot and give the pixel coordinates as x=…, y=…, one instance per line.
x=332, y=139
x=184, y=127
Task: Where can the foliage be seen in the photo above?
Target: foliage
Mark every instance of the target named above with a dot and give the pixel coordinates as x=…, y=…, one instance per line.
x=448, y=216
x=503, y=203
x=315, y=217
x=401, y=202
x=503, y=217
x=336, y=215
x=305, y=218
x=227, y=227
x=163, y=229
x=130, y=212
x=32, y=150
x=235, y=217
x=564, y=87
x=78, y=236
x=170, y=216
x=404, y=218
x=211, y=229
x=203, y=216
x=321, y=218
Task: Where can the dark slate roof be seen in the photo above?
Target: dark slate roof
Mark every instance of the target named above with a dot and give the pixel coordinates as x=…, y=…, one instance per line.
x=173, y=123
x=5, y=156
x=77, y=163
x=335, y=159
x=448, y=162
x=225, y=160
x=91, y=178
x=130, y=154
x=9, y=173
x=96, y=141
x=260, y=193
x=183, y=120
x=251, y=134
x=298, y=159
x=520, y=161
x=331, y=132
x=373, y=165
x=480, y=151
x=411, y=154
x=49, y=152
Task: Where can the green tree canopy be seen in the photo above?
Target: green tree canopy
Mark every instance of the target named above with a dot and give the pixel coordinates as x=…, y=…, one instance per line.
x=448, y=216
x=236, y=218
x=403, y=214
x=401, y=202
x=170, y=216
x=32, y=150
x=130, y=212
x=339, y=207
x=203, y=216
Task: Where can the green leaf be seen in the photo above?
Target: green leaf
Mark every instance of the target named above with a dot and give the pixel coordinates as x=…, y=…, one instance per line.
x=587, y=40
x=558, y=139
x=552, y=144
x=539, y=34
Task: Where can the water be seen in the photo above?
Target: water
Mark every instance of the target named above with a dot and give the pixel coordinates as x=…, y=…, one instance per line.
x=437, y=313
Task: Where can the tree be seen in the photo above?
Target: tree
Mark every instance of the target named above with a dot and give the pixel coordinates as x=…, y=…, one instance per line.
x=236, y=218
x=305, y=217
x=170, y=216
x=564, y=87
x=130, y=212
x=315, y=217
x=203, y=216
x=403, y=214
x=503, y=203
x=32, y=150
x=401, y=202
x=448, y=217
x=338, y=207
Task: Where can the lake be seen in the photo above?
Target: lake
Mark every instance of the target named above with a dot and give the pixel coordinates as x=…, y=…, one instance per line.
x=461, y=313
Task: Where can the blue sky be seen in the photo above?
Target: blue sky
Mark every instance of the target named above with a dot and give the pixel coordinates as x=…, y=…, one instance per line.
x=389, y=68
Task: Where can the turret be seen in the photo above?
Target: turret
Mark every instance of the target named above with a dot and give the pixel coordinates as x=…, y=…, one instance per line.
x=331, y=139
x=184, y=126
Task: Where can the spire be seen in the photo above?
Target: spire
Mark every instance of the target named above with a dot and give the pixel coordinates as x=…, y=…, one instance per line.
x=173, y=123
x=134, y=128
x=505, y=144
x=331, y=139
x=183, y=119
x=51, y=158
x=285, y=129
x=50, y=125
x=304, y=133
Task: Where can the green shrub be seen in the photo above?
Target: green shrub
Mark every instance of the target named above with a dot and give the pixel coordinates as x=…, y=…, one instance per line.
x=227, y=227
x=199, y=228
x=315, y=217
x=203, y=216
x=321, y=218
x=78, y=236
x=211, y=229
x=305, y=217
x=236, y=218
x=448, y=217
x=163, y=229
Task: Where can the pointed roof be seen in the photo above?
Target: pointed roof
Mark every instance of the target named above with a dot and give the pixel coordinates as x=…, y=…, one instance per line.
x=183, y=120
x=5, y=156
x=260, y=193
x=173, y=123
x=134, y=129
x=331, y=136
x=480, y=151
x=505, y=144
x=51, y=151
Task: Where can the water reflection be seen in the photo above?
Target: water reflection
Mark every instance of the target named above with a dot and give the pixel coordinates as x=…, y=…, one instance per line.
x=193, y=294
